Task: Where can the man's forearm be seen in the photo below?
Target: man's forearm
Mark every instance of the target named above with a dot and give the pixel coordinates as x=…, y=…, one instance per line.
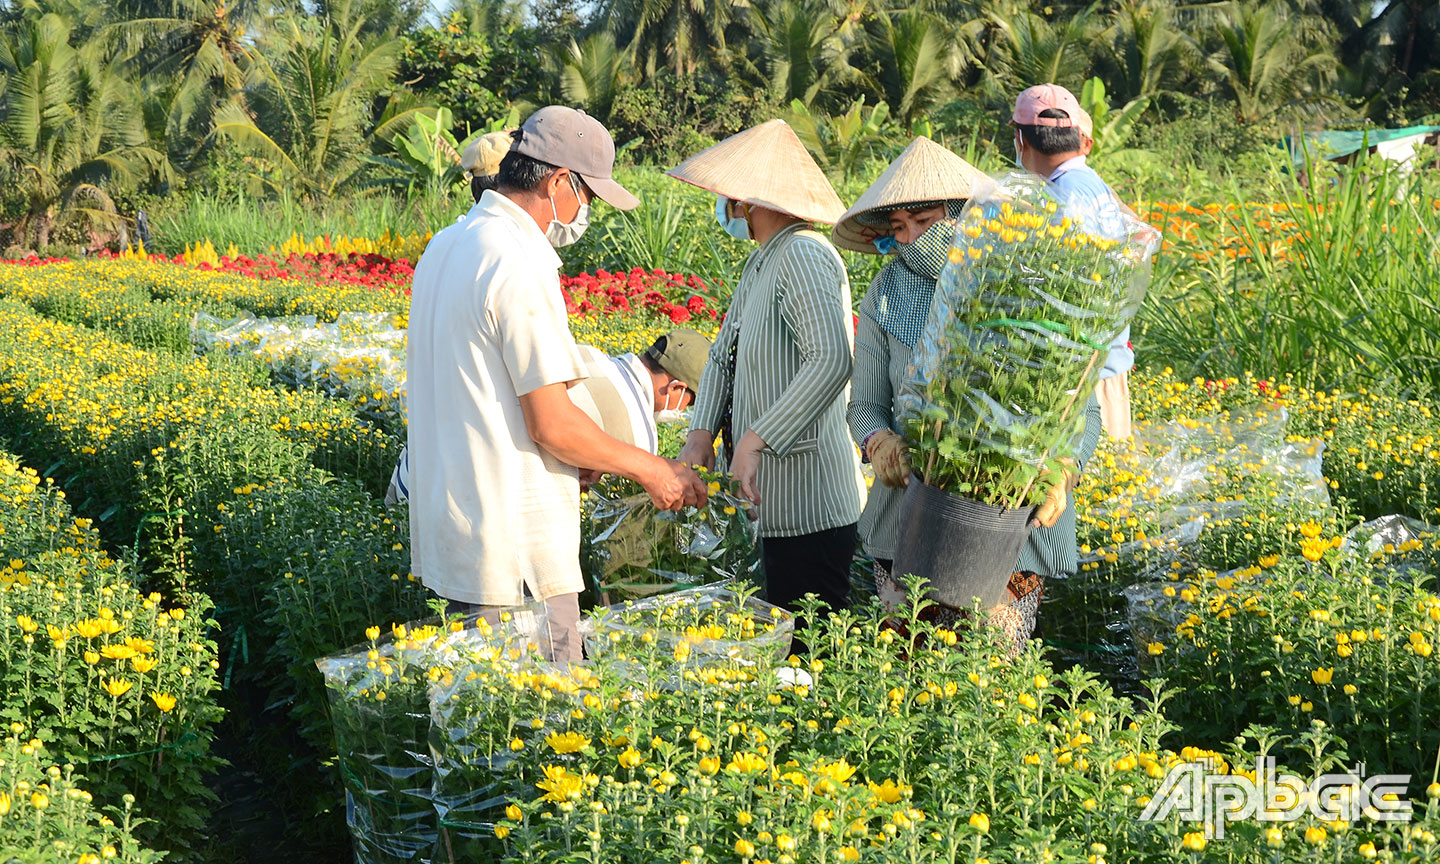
x=569, y=435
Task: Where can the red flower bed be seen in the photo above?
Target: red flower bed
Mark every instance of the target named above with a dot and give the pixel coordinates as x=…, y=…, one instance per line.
x=31, y=261
x=669, y=294
x=672, y=295
x=374, y=271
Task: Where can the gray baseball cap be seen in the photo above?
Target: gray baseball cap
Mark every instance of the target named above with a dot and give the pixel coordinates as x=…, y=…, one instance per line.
x=569, y=138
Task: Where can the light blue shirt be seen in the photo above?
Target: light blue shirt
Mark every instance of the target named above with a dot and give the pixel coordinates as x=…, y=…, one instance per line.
x=1087, y=199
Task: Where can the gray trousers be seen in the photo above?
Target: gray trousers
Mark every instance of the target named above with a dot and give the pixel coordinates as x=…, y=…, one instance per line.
x=562, y=614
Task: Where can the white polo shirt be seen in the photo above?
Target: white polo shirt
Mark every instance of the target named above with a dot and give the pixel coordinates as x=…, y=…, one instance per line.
x=490, y=510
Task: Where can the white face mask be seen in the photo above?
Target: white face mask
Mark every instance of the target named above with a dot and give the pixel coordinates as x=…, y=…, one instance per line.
x=666, y=414
x=1018, y=163
x=561, y=234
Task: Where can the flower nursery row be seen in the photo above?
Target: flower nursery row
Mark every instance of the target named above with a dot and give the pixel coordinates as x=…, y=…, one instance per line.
x=345, y=340
x=676, y=297
x=249, y=492
x=690, y=737
x=116, y=682
x=214, y=476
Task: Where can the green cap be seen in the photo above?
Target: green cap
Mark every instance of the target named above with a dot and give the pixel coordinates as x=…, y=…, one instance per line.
x=682, y=353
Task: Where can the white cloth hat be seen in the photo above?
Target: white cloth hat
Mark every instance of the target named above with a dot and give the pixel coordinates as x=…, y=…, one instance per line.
x=482, y=158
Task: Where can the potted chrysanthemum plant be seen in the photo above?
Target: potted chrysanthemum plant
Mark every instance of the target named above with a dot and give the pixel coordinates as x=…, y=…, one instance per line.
x=1034, y=291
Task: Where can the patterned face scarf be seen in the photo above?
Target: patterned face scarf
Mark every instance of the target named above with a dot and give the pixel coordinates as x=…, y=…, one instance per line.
x=907, y=285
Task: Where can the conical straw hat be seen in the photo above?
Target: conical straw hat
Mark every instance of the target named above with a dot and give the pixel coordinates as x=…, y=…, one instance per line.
x=925, y=172
x=767, y=166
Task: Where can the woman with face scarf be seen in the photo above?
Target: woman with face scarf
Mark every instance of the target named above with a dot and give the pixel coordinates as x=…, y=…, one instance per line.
x=910, y=212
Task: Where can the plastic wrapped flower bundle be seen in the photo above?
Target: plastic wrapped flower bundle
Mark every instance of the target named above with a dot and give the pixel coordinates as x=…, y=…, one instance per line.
x=995, y=403
x=1023, y=315
x=632, y=549
x=493, y=697
x=692, y=627
x=380, y=709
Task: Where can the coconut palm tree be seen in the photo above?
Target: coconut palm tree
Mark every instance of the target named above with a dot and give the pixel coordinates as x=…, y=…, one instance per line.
x=1390, y=51
x=679, y=34
x=920, y=59
x=798, y=49
x=192, y=54
x=1269, y=57
x=1027, y=49
x=592, y=71
x=70, y=126
x=308, y=108
x=1143, y=52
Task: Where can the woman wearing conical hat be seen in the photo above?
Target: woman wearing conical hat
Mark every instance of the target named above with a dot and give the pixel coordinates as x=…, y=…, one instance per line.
x=911, y=211
x=775, y=384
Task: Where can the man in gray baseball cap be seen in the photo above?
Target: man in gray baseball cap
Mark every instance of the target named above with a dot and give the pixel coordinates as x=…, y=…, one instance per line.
x=493, y=436
x=569, y=138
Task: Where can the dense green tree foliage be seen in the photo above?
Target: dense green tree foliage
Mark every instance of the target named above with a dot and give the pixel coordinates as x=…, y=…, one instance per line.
x=101, y=103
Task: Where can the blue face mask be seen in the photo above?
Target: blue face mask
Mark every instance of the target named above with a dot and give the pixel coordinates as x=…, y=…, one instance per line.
x=886, y=245
x=736, y=227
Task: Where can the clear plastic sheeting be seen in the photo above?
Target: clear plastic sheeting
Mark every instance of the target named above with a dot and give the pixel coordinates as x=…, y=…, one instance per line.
x=380, y=710
x=1152, y=553
x=697, y=626
x=1172, y=478
x=491, y=683
x=1152, y=615
x=1022, y=319
x=632, y=549
x=359, y=357
x=1402, y=542
x=1216, y=459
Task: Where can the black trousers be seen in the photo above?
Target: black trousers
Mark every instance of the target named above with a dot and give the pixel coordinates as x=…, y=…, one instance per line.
x=816, y=563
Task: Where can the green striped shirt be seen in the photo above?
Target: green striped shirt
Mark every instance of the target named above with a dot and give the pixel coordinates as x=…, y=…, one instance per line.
x=881, y=361
x=790, y=323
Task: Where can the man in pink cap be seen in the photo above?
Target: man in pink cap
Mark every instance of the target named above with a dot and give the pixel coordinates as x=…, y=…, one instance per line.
x=493, y=437
x=1053, y=134
x=1051, y=130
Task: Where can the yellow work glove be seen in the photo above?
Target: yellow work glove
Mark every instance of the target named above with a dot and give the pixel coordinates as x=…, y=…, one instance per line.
x=890, y=456
x=1057, y=497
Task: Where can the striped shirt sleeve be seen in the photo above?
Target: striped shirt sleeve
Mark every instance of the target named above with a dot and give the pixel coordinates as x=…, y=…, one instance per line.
x=811, y=285
x=715, y=384
x=1091, y=439
x=871, y=399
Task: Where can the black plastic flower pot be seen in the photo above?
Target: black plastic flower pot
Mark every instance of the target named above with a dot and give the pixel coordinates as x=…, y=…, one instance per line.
x=963, y=548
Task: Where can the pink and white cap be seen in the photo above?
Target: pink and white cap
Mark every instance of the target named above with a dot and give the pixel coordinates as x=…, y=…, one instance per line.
x=1041, y=97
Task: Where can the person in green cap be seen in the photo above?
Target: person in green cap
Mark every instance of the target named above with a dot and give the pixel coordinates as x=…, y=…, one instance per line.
x=628, y=396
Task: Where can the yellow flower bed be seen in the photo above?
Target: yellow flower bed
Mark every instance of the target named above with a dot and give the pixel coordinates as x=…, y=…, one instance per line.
x=122, y=679
x=408, y=246
x=47, y=810
x=110, y=404
x=877, y=749
x=264, y=297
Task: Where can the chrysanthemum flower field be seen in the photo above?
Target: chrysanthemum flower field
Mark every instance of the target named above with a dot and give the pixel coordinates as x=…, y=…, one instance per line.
x=191, y=472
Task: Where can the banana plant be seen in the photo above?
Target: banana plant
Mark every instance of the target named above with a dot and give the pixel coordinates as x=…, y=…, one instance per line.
x=1112, y=128
x=424, y=160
